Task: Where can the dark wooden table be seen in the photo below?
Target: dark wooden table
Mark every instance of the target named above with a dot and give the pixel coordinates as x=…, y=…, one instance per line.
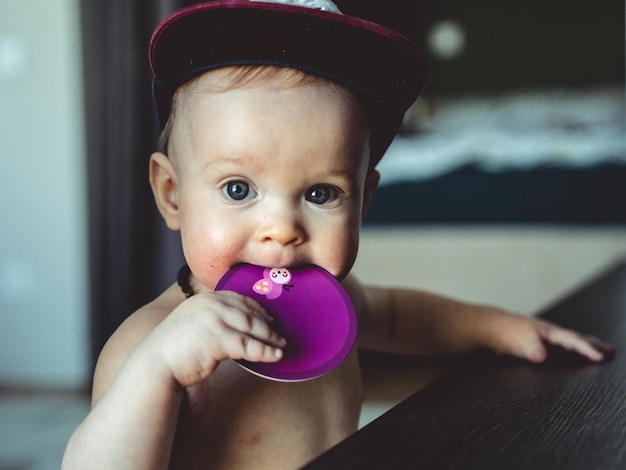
x=500, y=413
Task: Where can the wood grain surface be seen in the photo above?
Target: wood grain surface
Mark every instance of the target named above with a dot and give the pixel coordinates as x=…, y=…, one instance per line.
x=500, y=413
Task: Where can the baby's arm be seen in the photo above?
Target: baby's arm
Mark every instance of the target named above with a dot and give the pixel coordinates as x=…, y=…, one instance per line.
x=145, y=367
x=415, y=322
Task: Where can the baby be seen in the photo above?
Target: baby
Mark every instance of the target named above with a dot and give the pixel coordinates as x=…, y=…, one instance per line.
x=269, y=162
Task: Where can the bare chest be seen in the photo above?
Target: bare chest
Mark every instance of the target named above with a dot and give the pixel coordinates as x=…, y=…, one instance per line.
x=235, y=419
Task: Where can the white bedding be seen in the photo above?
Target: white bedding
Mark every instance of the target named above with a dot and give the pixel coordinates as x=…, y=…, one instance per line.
x=525, y=130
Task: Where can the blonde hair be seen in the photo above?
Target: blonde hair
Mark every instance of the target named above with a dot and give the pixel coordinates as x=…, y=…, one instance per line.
x=231, y=78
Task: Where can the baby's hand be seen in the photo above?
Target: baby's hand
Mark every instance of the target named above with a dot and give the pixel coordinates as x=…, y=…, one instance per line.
x=209, y=328
x=528, y=338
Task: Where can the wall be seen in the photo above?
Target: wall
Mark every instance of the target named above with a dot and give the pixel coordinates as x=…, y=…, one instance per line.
x=522, y=268
x=43, y=255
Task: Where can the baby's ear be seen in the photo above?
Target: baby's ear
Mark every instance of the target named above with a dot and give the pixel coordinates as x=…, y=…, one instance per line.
x=164, y=183
x=371, y=184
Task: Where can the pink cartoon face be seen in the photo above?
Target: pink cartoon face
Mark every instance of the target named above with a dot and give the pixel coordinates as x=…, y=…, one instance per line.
x=279, y=275
x=273, y=282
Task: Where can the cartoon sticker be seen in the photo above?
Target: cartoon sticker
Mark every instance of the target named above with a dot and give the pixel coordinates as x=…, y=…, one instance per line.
x=273, y=282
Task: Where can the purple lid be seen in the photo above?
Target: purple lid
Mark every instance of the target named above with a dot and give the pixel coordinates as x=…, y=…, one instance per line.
x=312, y=311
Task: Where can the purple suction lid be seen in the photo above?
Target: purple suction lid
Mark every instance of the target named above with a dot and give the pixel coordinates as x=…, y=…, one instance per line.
x=312, y=311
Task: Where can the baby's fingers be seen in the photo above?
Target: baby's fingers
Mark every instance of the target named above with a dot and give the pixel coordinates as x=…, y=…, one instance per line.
x=254, y=325
x=588, y=346
x=246, y=316
x=236, y=332
x=254, y=350
x=245, y=304
x=605, y=348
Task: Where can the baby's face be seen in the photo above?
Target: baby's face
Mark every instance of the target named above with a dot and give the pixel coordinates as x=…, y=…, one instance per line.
x=271, y=175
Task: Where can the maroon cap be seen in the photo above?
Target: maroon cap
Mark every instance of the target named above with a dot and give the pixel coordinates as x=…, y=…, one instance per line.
x=385, y=68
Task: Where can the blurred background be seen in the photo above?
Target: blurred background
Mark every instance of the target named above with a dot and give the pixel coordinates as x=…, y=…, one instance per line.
x=506, y=185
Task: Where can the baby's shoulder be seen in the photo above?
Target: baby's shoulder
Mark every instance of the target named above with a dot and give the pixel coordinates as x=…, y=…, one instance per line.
x=141, y=323
x=129, y=335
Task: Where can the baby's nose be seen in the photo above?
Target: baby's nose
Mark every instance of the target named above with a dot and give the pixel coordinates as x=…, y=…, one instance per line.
x=283, y=228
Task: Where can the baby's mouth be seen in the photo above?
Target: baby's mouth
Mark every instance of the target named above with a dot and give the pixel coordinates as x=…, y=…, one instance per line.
x=278, y=262
x=291, y=267
x=287, y=266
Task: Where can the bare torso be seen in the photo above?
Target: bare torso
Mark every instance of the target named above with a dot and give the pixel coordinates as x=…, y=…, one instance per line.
x=235, y=419
x=238, y=420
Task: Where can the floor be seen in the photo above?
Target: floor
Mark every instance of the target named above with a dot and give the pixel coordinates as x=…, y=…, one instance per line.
x=34, y=428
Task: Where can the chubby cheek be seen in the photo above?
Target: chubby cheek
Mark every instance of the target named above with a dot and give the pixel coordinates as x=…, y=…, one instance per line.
x=340, y=250
x=209, y=253
x=207, y=269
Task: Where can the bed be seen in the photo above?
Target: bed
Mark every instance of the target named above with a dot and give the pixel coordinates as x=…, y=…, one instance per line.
x=538, y=156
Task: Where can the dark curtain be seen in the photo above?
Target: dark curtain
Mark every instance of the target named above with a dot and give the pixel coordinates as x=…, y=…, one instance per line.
x=133, y=255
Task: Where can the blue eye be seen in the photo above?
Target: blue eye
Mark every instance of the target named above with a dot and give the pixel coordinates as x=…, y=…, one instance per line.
x=321, y=194
x=238, y=191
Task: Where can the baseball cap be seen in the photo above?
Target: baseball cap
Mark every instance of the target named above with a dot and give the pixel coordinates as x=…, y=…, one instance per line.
x=383, y=67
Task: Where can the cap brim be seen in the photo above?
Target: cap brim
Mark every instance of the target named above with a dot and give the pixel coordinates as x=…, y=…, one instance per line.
x=384, y=67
